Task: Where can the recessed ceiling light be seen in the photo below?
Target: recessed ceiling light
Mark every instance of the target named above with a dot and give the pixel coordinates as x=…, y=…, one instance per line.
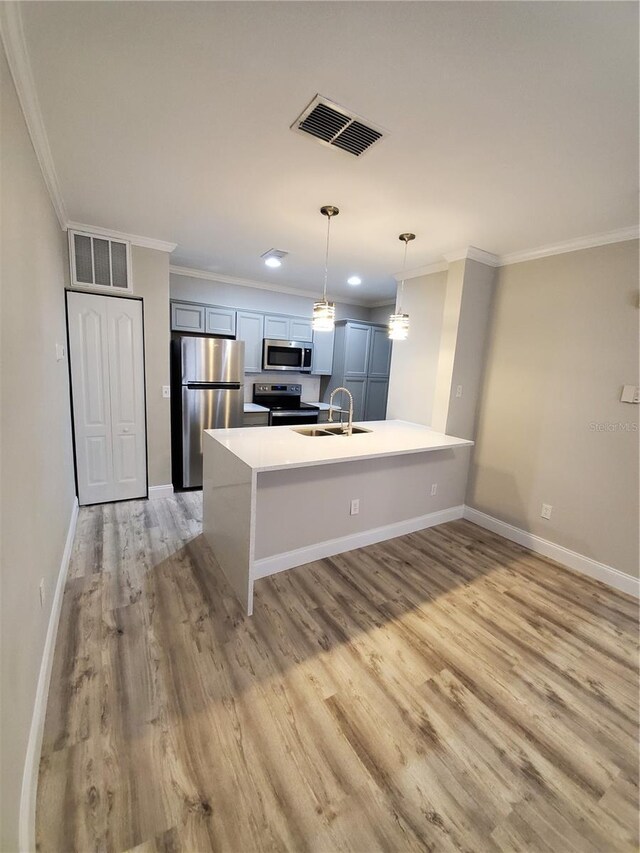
x=273, y=258
x=354, y=280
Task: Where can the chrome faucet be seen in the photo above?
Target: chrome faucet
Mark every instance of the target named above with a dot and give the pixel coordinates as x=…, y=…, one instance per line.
x=346, y=391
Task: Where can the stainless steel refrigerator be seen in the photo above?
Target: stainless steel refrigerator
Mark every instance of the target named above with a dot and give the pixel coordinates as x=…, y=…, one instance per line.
x=210, y=396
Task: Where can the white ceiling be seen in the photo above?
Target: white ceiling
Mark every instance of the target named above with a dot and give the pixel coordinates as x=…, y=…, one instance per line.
x=512, y=125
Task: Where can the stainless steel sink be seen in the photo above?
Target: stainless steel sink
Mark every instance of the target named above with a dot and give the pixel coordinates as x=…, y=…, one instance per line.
x=342, y=430
x=313, y=432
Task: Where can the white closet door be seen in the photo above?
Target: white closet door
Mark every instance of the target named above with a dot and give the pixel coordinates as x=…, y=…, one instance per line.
x=107, y=375
x=126, y=375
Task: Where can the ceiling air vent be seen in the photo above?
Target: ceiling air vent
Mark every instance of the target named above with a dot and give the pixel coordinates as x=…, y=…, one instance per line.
x=332, y=125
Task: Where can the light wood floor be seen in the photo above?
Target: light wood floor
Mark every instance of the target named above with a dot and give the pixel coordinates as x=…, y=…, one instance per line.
x=444, y=691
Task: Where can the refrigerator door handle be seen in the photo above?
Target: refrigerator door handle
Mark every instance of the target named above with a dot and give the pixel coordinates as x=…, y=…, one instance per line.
x=222, y=386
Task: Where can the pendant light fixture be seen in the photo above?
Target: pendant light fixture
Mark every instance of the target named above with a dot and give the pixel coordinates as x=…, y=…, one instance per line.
x=399, y=322
x=324, y=313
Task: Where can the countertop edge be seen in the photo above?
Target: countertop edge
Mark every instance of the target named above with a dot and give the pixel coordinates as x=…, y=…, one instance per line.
x=311, y=463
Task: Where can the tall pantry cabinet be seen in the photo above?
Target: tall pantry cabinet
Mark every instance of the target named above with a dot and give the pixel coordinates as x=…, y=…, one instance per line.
x=361, y=363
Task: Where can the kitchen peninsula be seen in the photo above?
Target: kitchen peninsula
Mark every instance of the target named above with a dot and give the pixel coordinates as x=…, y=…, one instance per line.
x=275, y=498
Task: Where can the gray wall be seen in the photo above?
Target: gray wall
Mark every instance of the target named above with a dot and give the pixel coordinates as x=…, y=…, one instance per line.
x=151, y=282
x=414, y=362
x=35, y=448
x=382, y=313
x=564, y=339
x=470, y=351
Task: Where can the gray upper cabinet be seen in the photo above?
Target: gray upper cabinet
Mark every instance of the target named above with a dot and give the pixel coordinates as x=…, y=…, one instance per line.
x=285, y=328
x=379, y=353
x=250, y=329
x=300, y=329
x=356, y=355
x=361, y=363
x=322, y=362
x=220, y=321
x=203, y=319
x=186, y=317
x=276, y=326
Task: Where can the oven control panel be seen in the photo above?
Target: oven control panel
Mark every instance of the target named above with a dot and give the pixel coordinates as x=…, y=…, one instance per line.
x=280, y=388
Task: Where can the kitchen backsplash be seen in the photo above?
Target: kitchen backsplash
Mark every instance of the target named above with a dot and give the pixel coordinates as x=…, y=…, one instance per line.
x=310, y=384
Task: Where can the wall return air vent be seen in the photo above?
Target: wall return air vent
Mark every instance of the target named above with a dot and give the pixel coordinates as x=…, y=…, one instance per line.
x=98, y=261
x=332, y=125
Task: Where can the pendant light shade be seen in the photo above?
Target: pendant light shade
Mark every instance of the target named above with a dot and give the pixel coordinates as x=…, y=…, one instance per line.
x=399, y=327
x=324, y=316
x=324, y=313
x=399, y=322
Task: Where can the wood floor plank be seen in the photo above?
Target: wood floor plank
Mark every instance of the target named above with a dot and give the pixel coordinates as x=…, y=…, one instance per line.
x=447, y=690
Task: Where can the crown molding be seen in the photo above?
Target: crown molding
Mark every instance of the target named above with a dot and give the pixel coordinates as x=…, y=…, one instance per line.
x=134, y=239
x=383, y=303
x=589, y=242
x=263, y=285
x=12, y=34
x=472, y=253
x=429, y=269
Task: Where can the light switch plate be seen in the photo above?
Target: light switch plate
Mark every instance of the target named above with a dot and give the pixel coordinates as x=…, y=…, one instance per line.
x=60, y=352
x=166, y=390
x=630, y=394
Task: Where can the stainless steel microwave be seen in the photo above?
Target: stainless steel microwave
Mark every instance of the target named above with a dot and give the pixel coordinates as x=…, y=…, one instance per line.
x=286, y=355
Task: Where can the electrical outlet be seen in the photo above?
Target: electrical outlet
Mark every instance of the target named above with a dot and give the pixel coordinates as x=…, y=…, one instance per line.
x=355, y=506
x=434, y=489
x=43, y=592
x=545, y=512
x=459, y=391
x=166, y=390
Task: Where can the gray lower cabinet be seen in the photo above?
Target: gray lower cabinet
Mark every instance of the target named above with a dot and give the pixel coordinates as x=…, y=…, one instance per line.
x=376, y=399
x=358, y=388
x=255, y=419
x=322, y=359
x=250, y=329
x=361, y=363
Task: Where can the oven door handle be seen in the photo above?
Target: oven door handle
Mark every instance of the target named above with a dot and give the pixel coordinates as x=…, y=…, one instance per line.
x=290, y=413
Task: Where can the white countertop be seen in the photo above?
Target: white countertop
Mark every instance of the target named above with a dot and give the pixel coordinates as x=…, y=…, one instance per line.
x=254, y=407
x=275, y=448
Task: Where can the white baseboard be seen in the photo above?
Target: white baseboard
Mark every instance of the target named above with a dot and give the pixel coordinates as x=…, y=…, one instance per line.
x=578, y=562
x=280, y=562
x=27, y=818
x=160, y=491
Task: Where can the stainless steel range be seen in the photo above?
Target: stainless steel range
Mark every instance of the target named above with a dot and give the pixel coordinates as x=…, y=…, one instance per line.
x=284, y=404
